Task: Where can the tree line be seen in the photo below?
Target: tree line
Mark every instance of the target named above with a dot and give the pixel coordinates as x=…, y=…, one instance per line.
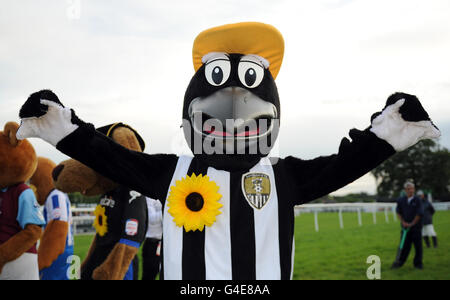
x=426, y=164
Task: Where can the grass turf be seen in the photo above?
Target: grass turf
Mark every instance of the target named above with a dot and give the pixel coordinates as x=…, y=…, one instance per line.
x=338, y=254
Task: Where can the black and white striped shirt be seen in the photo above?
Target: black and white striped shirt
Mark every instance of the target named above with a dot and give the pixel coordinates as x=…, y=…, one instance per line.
x=248, y=240
x=244, y=243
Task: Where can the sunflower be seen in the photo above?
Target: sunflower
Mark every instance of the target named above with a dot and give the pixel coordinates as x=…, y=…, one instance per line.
x=100, y=221
x=193, y=202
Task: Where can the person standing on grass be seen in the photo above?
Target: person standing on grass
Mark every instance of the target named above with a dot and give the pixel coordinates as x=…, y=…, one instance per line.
x=428, y=228
x=410, y=212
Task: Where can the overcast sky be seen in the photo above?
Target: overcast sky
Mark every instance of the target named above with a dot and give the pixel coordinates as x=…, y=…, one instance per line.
x=131, y=61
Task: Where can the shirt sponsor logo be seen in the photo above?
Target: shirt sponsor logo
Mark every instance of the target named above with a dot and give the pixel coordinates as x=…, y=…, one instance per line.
x=108, y=202
x=56, y=214
x=131, y=227
x=256, y=189
x=36, y=204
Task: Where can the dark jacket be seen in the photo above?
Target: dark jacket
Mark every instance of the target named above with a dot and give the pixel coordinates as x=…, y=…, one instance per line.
x=428, y=212
x=410, y=210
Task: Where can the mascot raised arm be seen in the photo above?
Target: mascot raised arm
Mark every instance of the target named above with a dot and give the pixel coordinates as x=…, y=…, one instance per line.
x=228, y=211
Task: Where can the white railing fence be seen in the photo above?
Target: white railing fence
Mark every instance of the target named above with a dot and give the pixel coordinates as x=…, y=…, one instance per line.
x=82, y=219
x=374, y=208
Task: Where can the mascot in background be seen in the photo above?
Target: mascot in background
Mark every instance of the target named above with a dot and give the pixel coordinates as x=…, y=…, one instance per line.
x=151, y=251
x=120, y=218
x=20, y=217
x=56, y=244
x=228, y=211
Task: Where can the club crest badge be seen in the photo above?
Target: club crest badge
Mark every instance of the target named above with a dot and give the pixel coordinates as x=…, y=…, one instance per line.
x=256, y=189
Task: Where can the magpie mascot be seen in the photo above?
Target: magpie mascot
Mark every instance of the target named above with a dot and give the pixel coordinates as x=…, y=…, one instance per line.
x=228, y=210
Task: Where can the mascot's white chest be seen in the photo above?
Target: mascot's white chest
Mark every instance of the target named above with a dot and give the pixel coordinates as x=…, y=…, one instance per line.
x=256, y=193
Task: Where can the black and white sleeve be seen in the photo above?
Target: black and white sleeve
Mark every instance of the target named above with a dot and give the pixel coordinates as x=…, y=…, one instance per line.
x=312, y=179
x=402, y=123
x=45, y=117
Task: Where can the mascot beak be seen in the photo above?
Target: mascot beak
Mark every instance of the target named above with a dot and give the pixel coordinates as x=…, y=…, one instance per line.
x=232, y=113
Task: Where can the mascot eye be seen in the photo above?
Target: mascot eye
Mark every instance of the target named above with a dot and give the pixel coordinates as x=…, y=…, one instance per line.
x=250, y=74
x=217, y=71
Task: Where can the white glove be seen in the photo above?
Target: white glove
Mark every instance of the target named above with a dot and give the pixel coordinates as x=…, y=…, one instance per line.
x=45, y=119
x=399, y=133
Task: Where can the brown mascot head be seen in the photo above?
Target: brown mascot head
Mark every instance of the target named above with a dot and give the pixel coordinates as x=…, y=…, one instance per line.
x=17, y=158
x=72, y=176
x=41, y=181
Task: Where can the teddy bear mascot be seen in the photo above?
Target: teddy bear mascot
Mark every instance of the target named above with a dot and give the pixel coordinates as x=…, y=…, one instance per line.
x=56, y=244
x=120, y=218
x=229, y=210
x=20, y=217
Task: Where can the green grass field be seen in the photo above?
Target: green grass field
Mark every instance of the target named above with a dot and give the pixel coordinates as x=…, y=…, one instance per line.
x=335, y=253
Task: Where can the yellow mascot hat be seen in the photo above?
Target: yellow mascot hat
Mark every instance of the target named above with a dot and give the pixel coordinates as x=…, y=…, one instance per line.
x=244, y=38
